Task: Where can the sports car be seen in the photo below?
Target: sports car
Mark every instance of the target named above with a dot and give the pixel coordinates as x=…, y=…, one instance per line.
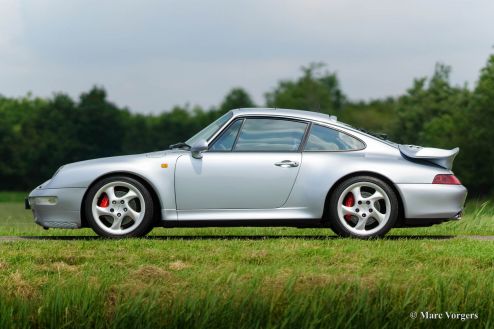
x=258, y=167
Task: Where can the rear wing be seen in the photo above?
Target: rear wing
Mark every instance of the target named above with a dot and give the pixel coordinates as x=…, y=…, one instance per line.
x=441, y=157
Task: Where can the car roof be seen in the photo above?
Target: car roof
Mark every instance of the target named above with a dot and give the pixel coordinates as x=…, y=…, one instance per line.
x=308, y=115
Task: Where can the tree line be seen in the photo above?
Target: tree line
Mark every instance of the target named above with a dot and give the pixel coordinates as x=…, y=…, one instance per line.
x=37, y=135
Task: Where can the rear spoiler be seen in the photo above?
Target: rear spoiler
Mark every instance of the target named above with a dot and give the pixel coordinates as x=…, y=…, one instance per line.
x=441, y=157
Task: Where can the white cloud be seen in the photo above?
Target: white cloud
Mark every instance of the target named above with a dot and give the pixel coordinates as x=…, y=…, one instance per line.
x=153, y=54
x=10, y=30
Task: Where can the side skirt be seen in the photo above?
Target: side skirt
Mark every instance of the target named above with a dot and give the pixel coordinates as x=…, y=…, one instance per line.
x=300, y=223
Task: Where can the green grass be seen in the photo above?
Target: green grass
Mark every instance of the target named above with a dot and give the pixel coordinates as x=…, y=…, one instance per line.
x=245, y=277
x=12, y=196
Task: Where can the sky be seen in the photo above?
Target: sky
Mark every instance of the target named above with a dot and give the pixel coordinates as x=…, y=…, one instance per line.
x=152, y=54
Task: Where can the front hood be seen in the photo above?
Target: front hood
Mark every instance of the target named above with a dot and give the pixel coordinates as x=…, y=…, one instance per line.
x=108, y=160
x=81, y=174
x=120, y=159
x=441, y=157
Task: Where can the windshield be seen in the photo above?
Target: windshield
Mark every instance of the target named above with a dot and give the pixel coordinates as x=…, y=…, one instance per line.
x=207, y=132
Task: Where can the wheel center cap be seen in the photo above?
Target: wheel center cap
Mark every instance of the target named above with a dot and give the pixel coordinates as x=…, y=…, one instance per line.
x=364, y=210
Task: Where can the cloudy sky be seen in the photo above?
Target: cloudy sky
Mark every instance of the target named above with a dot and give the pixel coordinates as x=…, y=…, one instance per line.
x=152, y=54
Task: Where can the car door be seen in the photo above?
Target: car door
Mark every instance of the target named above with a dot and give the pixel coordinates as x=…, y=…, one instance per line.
x=253, y=164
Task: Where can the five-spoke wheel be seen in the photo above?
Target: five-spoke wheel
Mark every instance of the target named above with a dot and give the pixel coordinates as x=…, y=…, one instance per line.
x=119, y=207
x=363, y=207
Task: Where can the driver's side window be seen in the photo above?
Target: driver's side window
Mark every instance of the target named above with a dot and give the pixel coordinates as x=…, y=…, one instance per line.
x=261, y=135
x=225, y=142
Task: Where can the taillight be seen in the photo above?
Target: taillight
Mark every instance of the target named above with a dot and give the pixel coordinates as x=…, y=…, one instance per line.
x=446, y=179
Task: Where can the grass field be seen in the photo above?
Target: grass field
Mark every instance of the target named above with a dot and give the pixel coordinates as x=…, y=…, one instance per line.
x=246, y=277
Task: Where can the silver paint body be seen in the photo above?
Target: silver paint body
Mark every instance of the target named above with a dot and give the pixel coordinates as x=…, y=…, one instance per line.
x=247, y=185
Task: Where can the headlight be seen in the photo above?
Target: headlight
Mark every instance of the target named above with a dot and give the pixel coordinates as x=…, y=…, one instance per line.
x=43, y=200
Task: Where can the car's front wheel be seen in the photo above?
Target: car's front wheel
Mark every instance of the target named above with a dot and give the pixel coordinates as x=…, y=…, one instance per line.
x=118, y=207
x=363, y=207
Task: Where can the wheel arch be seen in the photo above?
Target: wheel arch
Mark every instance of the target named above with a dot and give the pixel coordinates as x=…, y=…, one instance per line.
x=139, y=178
x=401, y=209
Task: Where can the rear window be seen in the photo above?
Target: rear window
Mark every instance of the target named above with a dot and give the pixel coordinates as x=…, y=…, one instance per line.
x=326, y=139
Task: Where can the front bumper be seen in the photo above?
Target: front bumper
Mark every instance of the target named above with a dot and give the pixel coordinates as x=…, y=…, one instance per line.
x=65, y=213
x=431, y=201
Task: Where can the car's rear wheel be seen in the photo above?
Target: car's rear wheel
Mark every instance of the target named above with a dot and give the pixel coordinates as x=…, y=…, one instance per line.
x=118, y=207
x=363, y=207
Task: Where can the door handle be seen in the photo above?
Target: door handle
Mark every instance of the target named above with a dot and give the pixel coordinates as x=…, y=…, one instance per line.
x=286, y=164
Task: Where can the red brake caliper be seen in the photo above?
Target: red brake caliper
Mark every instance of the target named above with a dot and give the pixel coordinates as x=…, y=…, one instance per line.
x=349, y=202
x=105, y=201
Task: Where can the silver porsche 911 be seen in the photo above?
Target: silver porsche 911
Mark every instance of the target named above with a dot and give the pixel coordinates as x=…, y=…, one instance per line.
x=258, y=167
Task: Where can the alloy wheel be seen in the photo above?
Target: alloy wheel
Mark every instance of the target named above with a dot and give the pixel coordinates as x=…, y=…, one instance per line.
x=363, y=208
x=118, y=207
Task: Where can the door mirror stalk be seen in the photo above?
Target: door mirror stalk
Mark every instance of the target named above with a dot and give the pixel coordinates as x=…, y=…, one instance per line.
x=198, y=147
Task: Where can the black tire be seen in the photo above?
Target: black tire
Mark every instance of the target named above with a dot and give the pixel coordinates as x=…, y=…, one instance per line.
x=144, y=227
x=342, y=230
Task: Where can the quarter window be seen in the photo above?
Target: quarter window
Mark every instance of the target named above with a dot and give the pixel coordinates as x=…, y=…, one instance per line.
x=327, y=139
x=273, y=135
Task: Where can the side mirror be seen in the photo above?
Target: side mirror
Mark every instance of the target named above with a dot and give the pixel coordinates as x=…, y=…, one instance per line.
x=198, y=148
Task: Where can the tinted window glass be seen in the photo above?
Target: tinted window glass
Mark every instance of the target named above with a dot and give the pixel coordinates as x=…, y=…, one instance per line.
x=327, y=139
x=226, y=140
x=207, y=132
x=270, y=135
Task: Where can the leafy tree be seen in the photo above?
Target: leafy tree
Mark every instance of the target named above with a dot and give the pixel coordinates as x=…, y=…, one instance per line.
x=236, y=98
x=139, y=133
x=38, y=135
x=434, y=113
x=49, y=138
x=175, y=126
x=100, y=127
x=315, y=90
x=425, y=100
x=478, y=133
x=16, y=148
x=376, y=115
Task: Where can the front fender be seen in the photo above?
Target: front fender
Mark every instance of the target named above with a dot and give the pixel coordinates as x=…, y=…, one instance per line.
x=151, y=169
